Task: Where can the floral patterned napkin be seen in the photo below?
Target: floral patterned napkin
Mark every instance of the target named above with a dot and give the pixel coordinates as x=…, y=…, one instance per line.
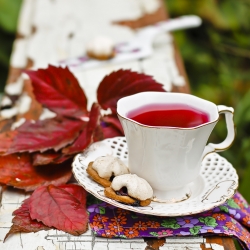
x=232, y=218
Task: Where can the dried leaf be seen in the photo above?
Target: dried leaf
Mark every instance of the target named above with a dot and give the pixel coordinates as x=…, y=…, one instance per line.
x=17, y=171
x=122, y=83
x=46, y=134
x=22, y=221
x=86, y=137
x=64, y=209
x=58, y=90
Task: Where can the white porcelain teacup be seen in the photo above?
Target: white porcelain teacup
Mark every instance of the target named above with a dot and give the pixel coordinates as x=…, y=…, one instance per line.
x=169, y=157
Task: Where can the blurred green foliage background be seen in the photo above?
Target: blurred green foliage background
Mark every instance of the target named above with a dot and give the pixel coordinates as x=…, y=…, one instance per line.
x=9, y=10
x=217, y=61
x=216, y=57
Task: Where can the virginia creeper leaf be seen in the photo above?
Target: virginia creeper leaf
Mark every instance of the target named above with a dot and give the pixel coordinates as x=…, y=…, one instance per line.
x=57, y=89
x=22, y=221
x=46, y=134
x=98, y=134
x=56, y=207
x=122, y=83
x=6, y=140
x=78, y=192
x=109, y=131
x=48, y=157
x=17, y=171
x=86, y=137
x=113, y=121
x=5, y=125
x=111, y=126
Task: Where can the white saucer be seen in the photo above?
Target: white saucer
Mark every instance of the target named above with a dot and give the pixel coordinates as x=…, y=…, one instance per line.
x=217, y=182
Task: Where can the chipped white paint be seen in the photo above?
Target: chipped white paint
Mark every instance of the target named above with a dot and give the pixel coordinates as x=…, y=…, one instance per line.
x=149, y=6
x=188, y=240
x=184, y=246
x=14, y=88
x=6, y=101
x=24, y=22
x=179, y=81
x=19, y=58
x=18, y=123
x=47, y=114
x=24, y=103
x=8, y=113
x=216, y=246
x=22, y=106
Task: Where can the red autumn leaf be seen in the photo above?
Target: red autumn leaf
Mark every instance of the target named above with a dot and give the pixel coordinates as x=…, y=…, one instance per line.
x=22, y=221
x=112, y=120
x=58, y=208
x=6, y=140
x=17, y=171
x=5, y=125
x=46, y=134
x=111, y=126
x=110, y=132
x=86, y=137
x=77, y=191
x=98, y=134
x=44, y=158
x=122, y=83
x=39, y=159
x=57, y=89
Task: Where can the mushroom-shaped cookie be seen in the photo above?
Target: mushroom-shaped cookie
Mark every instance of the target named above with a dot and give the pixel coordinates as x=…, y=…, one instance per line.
x=101, y=48
x=130, y=189
x=105, y=168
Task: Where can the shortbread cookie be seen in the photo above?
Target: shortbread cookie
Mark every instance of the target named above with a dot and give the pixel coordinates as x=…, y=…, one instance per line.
x=101, y=48
x=105, y=168
x=130, y=189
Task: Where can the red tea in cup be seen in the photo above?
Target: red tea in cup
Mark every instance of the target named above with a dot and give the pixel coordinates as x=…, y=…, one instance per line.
x=169, y=115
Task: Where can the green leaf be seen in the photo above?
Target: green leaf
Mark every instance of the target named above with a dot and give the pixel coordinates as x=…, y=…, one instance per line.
x=195, y=230
x=9, y=14
x=223, y=209
x=202, y=220
x=133, y=216
x=225, y=228
x=154, y=234
x=208, y=221
x=102, y=210
x=232, y=204
x=122, y=236
x=170, y=223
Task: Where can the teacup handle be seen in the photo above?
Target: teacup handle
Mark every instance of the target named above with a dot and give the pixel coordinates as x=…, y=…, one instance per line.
x=212, y=147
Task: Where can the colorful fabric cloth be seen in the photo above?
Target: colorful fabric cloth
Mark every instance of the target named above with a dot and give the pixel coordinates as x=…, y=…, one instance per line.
x=232, y=218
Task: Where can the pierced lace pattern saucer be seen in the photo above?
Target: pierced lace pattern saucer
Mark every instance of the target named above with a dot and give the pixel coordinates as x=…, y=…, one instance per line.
x=216, y=183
